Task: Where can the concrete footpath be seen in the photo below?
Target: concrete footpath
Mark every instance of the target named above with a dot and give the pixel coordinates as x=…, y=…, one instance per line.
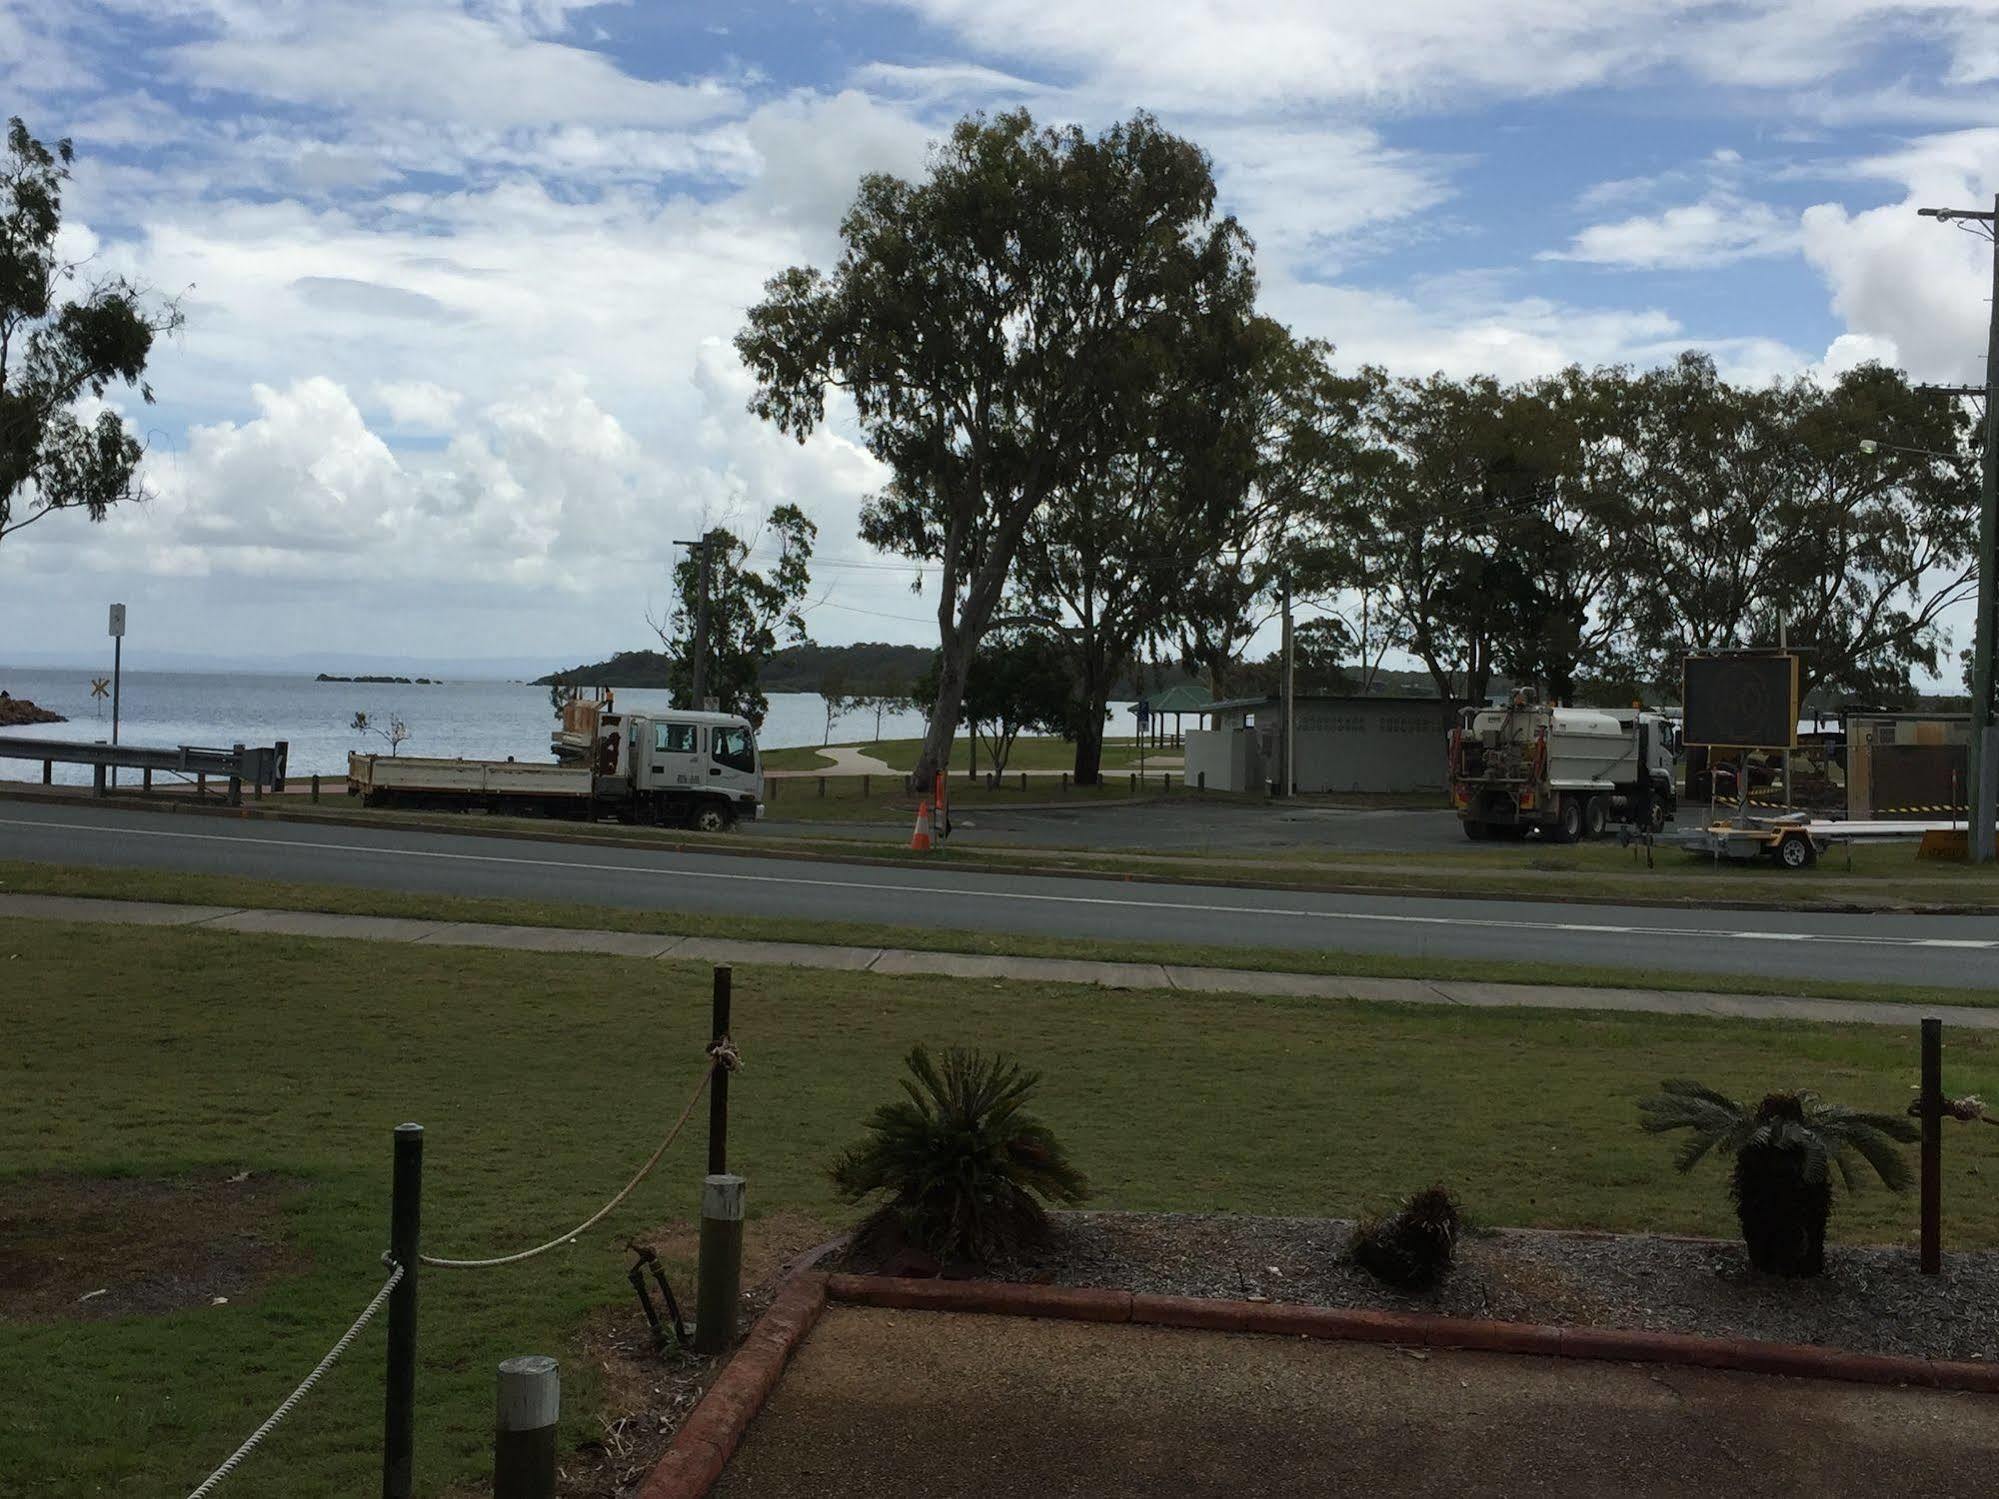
x=898, y=960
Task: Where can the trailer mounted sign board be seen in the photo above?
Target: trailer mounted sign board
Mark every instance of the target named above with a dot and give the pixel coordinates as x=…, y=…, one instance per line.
x=117, y=621
x=1741, y=700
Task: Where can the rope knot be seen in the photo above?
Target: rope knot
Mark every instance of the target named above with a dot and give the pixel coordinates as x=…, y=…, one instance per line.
x=723, y=1050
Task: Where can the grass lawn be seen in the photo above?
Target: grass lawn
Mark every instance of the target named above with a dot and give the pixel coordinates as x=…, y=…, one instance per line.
x=237, y=890
x=543, y=1080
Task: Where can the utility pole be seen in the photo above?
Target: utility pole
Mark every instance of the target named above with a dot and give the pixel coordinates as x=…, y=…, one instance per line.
x=1983, y=751
x=699, y=692
x=1290, y=779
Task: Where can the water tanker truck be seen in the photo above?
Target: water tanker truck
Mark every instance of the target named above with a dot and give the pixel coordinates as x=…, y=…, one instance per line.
x=1564, y=772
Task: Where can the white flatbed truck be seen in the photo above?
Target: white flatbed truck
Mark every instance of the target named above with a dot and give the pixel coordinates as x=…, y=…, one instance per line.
x=682, y=769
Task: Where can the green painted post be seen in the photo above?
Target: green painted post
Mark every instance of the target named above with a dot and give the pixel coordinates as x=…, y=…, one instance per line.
x=399, y=1397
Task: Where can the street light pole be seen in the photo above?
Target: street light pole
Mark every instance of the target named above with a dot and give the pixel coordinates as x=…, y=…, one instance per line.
x=1983, y=750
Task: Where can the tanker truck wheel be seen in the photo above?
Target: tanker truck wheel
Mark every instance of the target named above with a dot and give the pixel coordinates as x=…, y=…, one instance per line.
x=1569, y=821
x=1596, y=817
x=711, y=817
x=1478, y=832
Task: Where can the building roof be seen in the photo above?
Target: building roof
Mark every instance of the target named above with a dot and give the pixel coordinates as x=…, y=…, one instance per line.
x=1272, y=700
x=1188, y=697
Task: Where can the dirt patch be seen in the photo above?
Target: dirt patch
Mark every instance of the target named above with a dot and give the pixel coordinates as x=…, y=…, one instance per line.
x=87, y=1248
x=646, y=1395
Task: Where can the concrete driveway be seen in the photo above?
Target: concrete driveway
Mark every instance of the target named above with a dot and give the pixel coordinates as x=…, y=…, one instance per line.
x=963, y=1407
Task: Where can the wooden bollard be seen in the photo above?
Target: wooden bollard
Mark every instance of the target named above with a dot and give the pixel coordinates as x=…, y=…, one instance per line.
x=1065, y=783
x=399, y=1387
x=315, y=790
x=822, y=786
x=526, y=1411
x=146, y=780
x=48, y=772
x=1023, y=780
x=719, y=1285
x=866, y=783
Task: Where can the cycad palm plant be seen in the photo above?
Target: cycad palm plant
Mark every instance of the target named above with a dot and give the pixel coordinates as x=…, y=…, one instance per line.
x=962, y=1166
x=1785, y=1149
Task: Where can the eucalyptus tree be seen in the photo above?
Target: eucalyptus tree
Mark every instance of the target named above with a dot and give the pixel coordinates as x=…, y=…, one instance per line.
x=1292, y=475
x=1710, y=459
x=1561, y=566
x=1421, y=529
x=60, y=353
x=1879, y=512
x=995, y=326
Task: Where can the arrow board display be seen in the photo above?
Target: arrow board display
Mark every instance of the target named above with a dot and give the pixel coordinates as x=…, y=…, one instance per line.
x=1742, y=702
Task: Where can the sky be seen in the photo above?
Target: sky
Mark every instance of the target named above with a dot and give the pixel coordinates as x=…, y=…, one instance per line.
x=460, y=279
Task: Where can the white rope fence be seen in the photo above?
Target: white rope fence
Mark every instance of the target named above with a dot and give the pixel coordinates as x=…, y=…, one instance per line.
x=291, y=1400
x=721, y=1054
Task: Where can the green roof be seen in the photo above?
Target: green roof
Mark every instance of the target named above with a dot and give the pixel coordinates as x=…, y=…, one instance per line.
x=1188, y=697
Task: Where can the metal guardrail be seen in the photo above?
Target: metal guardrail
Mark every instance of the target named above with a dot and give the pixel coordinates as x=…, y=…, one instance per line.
x=259, y=766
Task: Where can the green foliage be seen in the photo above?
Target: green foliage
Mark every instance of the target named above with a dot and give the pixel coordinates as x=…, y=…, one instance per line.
x=748, y=612
x=1413, y=1247
x=1017, y=680
x=56, y=353
x=1001, y=329
x=962, y=1166
x=1784, y=1151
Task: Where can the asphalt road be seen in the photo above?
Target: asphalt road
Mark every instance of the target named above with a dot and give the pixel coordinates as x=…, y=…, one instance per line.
x=1233, y=828
x=1960, y=951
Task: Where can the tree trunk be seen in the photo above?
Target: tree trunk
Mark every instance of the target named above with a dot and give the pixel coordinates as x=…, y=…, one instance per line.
x=1090, y=750
x=1783, y=1216
x=944, y=713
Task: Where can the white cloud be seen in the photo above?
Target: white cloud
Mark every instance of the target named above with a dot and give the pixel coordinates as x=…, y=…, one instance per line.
x=1718, y=230
x=420, y=405
x=431, y=60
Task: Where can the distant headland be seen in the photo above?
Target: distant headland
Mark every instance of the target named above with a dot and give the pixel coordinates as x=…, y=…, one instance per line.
x=15, y=711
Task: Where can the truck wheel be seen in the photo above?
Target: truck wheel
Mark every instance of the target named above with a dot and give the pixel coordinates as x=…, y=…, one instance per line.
x=1568, y=826
x=1478, y=832
x=1596, y=817
x=711, y=818
x=1660, y=816
x=1796, y=851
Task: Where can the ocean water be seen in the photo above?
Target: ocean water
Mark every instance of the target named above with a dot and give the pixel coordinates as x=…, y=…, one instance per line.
x=475, y=720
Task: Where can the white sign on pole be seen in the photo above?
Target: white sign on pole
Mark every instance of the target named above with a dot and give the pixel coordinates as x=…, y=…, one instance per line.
x=117, y=621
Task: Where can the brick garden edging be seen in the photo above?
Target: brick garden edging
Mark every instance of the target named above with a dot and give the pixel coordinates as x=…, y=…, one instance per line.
x=711, y=1433
x=1422, y=1329
x=709, y=1437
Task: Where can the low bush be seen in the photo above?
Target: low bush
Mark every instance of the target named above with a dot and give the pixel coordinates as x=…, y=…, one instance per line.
x=1413, y=1247
x=961, y=1168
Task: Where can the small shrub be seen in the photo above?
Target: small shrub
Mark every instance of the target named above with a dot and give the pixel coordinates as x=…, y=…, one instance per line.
x=1784, y=1148
x=1413, y=1247
x=962, y=1167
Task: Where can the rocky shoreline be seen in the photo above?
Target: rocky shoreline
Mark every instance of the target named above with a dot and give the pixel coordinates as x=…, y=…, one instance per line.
x=15, y=711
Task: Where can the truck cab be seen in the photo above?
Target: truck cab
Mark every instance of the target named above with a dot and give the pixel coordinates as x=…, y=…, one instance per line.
x=700, y=770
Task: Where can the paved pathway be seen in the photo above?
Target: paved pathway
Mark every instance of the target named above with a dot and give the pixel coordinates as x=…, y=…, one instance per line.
x=962, y=1407
x=896, y=960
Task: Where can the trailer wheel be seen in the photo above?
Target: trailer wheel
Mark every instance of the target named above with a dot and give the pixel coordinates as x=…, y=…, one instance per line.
x=1596, y=817
x=1796, y=851
x=711, y=817
x=1660, y=816
x=1478, y=832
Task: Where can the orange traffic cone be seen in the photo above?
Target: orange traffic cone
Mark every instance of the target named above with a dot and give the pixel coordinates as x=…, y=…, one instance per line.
x=919, y=841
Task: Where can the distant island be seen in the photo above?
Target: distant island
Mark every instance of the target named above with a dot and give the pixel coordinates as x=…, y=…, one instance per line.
x=388, y=681
x=15, y=711
x=870, y=667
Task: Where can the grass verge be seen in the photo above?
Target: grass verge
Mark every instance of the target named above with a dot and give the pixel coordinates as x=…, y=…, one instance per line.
x=239, y=890
x=543, y=1079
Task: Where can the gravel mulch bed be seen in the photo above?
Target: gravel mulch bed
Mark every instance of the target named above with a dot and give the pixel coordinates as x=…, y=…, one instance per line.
x=1871, y=1300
